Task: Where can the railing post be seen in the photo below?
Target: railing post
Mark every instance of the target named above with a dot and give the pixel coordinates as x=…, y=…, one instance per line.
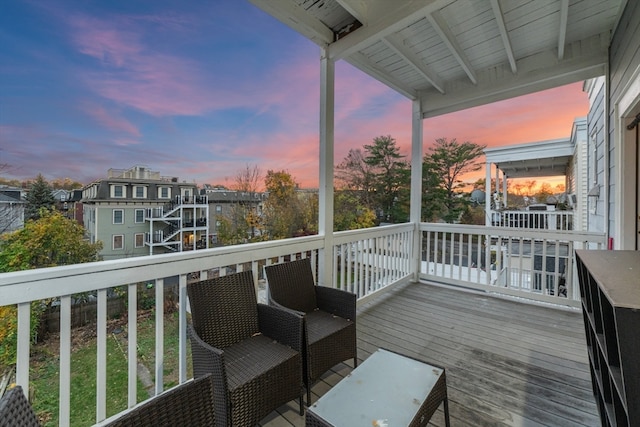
x=24, y=340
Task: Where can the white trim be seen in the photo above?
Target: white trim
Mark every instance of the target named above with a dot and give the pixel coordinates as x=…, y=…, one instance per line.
x=135, y=240
x=113, y=216
x=624, y=215
x=113, y=242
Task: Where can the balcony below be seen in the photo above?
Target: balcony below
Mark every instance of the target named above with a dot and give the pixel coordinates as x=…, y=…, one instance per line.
x=507, y=363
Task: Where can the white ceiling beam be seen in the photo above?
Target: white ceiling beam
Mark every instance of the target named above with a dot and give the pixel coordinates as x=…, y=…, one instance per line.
x=450, y=41
x=497, y=11
x=292, y=15
x=401, y=49
x=583, y=60
x=401, y=16
x=562, y=33
x=361, y=62
x=357, y=9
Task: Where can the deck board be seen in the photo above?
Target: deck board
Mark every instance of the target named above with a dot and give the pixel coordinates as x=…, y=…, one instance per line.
x=508, y=363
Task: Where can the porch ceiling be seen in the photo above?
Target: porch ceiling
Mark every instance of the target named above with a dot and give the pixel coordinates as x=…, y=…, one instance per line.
x=457, y=54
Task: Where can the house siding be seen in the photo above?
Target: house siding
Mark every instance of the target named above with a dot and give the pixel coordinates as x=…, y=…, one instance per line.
x=595, y=170
x=624, y=60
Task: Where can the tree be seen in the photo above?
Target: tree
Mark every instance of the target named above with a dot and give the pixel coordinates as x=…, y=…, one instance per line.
x=49, y=241
x=349, y=213
x=39, y=197
x=242, y=222
x=355, y=175
x=391, y=177
x=544, y=192
x=281, y=209
x=447, y=161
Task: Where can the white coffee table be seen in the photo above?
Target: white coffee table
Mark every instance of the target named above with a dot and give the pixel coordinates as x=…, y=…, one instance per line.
x=386, y=390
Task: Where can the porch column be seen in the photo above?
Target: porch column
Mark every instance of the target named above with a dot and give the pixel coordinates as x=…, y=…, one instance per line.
x=487, y=195
x=325, y=190
x=415, y=212
x=504, y=190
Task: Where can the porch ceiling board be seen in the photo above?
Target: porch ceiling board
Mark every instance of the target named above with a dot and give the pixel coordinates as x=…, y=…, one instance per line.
x=457, y=54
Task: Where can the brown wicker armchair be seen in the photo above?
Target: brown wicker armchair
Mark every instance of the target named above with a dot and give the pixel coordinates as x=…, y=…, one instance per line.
x=253, y=350
x=330, y=316
x=15, y=410
x=189, y=404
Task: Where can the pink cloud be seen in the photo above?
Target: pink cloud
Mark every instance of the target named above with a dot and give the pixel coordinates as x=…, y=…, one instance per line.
x=111, y=120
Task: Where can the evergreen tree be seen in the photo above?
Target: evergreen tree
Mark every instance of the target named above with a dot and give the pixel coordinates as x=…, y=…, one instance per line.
x=40, y=196
x=443, y=167
x=391, y=179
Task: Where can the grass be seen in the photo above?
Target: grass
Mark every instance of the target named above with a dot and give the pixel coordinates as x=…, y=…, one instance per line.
x=45, y=370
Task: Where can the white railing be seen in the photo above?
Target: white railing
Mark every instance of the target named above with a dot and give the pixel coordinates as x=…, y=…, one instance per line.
x=536, y=265
x=364, y=262
x=367, y=262
x=545, y=220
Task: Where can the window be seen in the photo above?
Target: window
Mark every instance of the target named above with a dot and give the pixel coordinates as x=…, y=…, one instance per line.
x=139, y=240
x=218, y=208
x=118, y=216
x=118, y=242
x=117, y=191
x=140, y=192
x=164, y=193
x=139, y=215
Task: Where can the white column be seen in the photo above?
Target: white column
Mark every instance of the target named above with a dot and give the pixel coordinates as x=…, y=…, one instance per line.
x=504, y=189
x=497, y=185
x=416, y=186
x=325, y=191
x=487, y=194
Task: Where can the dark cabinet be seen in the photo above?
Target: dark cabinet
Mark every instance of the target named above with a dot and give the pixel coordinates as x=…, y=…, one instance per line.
x=610, y=293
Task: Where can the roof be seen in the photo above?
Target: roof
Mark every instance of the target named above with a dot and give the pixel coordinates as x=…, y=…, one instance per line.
x=544, y=158
x=456, y=54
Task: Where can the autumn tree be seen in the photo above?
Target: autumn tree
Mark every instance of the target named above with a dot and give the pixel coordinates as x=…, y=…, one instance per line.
x=447, y=161
x=39, y=197
x=242, y=223
x=349, y=213
x=49, y=241
x=281, y=208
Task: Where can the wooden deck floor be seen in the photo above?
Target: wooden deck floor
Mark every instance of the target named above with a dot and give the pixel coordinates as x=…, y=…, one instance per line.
x=507, y=363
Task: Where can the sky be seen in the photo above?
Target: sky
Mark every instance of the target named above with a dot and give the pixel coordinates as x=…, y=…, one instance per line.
x=200, y=90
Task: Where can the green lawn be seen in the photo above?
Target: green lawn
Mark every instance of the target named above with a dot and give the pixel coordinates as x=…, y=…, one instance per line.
x=45, y=368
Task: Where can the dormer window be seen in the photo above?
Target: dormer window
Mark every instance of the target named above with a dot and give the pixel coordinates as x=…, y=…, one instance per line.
x=117, y=191
x=140, y=192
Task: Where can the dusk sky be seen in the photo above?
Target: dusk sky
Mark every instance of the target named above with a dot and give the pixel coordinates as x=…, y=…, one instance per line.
x=200, y=89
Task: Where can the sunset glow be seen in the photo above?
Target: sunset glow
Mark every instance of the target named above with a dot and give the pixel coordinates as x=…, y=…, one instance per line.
x=199, y=90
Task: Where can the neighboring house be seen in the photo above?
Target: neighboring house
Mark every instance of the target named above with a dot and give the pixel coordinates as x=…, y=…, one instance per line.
x=12, y=206
x=138, y=212
x=223, y=204
x=544, y=159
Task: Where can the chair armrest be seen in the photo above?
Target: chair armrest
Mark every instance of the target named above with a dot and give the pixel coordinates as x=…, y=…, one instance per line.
x=282, y=324
x=210, y=360
x=336, y=301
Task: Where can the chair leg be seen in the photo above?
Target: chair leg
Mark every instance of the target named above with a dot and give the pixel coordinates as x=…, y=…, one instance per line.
x=309, y=395
x=355, y=362
x=301, y=405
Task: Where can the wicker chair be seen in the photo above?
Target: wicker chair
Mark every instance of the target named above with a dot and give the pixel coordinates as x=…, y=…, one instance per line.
x=189, y=404
x=330, y=316
x=15, y=410
x=253, y=350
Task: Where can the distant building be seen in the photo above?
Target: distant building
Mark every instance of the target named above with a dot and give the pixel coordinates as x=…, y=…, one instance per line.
x=222, y=203
x=12, y=206
x=137, y=212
